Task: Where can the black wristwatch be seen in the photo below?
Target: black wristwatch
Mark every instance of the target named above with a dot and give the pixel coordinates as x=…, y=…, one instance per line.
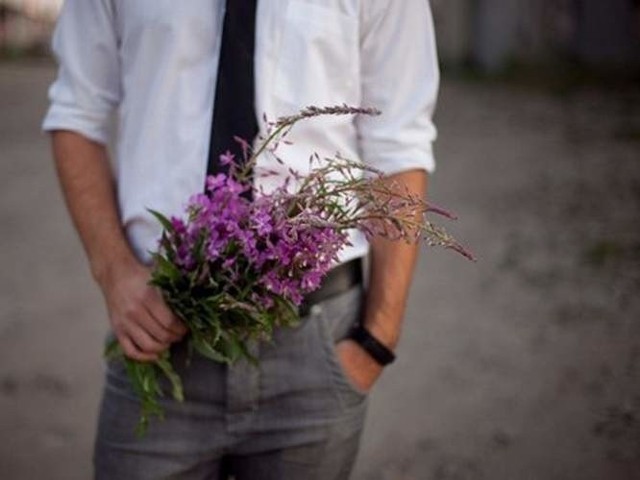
x=371, y=344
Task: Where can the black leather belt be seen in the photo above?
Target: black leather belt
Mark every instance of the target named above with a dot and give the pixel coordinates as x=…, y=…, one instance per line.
x=337, y=281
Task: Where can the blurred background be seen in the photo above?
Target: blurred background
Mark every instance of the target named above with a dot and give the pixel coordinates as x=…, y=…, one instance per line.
x=525, y=365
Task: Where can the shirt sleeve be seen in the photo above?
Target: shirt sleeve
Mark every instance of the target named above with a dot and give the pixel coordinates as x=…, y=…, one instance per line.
x=399, y=76
x=87, y=88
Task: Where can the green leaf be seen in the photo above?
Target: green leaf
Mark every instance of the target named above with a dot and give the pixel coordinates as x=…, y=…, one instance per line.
x=233, y=348
x=113, y=350
x=142, y=426
x=145, y=384
x=176, y=383
x=206, y=350
x=164, y=221
x=247, y=354
x=166, y=268
x=287, y=313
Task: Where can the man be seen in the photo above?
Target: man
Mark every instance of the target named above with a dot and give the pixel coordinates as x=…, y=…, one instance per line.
x=171, y=73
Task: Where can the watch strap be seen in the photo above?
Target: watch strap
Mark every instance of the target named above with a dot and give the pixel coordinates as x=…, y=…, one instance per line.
x=379, y=352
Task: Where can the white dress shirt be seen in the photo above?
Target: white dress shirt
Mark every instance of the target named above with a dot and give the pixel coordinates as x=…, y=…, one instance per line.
x=152, y=64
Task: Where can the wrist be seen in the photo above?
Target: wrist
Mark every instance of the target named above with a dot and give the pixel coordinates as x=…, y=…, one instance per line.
x=376, y=350
x=387, y=336
x=107, y=269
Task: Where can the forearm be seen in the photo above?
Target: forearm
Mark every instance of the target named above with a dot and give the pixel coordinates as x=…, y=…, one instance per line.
x=87, y=184
x=391, y=271
x=142, y=322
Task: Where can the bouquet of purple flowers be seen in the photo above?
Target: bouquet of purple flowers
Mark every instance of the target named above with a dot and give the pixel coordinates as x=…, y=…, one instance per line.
x=234, y=268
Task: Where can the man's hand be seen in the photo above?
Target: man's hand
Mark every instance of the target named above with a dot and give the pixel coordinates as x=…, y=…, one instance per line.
x=139, y=317
x=358, y=364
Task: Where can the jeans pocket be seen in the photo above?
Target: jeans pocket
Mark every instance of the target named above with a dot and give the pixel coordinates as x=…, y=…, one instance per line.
x=336, y=316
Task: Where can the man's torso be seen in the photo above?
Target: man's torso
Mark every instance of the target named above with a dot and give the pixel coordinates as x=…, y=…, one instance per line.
x=307, y=53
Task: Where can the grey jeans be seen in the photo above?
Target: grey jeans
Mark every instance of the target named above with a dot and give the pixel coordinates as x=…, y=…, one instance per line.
x=296, y=415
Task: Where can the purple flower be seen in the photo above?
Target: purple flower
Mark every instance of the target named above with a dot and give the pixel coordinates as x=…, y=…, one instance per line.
x=250, y=246
x=227, y=158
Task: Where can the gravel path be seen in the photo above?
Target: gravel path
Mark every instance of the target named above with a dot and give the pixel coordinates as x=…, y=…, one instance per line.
x=525, y=365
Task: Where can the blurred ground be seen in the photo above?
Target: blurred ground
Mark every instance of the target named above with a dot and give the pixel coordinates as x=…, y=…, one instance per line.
x=525, y=365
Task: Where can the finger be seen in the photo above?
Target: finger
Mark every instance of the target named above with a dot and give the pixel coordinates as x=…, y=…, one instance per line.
x=144, y=341
x=147, y=326
x=133, y=352
x=168, y=320
x=156, y=329
x=163, y=314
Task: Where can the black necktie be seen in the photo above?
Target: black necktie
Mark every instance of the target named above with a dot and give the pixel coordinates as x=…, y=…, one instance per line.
x=234, y=105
